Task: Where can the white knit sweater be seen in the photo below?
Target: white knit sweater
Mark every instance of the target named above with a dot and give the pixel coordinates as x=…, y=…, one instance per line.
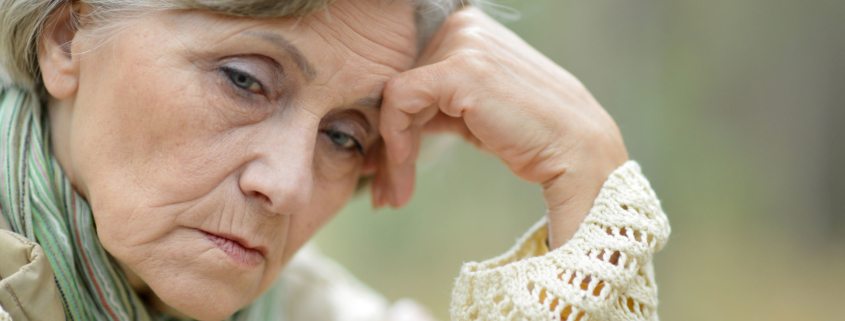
x=603, y=273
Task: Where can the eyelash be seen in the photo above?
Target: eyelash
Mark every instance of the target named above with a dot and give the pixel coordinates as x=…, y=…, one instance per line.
x=234, y=76
x=357, y=145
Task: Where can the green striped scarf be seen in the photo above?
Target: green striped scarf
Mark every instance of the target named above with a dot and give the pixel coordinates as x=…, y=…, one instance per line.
x=39, y=203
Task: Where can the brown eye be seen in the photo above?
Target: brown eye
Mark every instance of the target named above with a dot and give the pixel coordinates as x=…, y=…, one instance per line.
x=243, y=80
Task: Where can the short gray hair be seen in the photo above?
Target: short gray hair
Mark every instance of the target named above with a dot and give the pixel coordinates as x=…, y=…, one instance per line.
x=21, y=23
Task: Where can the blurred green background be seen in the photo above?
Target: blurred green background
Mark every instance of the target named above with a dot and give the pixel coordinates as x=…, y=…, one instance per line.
x=735, y=110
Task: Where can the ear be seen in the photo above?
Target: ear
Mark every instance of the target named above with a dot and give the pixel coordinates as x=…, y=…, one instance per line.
x=59, y=67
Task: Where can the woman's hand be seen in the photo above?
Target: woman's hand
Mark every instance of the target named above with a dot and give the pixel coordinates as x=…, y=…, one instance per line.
x=478, y=79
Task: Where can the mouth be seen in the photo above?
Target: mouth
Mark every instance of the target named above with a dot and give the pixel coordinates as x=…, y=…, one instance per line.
x=237, y=248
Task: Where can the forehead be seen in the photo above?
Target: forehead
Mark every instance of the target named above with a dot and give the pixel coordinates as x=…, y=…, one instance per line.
x=357, y=44
x=351, y=47
x=377, y=30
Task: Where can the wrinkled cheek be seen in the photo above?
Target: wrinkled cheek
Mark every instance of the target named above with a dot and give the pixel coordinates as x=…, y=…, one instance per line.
x=333, y=167
x=328, y=199
x=334, y=192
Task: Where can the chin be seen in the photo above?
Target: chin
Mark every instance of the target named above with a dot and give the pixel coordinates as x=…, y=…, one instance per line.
x=200, y=281
x=204, y=300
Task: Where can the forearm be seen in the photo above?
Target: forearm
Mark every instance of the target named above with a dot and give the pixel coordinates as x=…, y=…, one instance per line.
x=603, y=272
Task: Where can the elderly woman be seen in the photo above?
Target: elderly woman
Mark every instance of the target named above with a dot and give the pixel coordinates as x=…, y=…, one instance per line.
x=165, y=159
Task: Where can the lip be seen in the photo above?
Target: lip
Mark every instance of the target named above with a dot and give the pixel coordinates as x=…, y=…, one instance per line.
x=237, y=248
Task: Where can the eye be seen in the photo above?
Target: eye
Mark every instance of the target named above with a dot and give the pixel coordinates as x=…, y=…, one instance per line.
x=243, y=80
x=344, y=141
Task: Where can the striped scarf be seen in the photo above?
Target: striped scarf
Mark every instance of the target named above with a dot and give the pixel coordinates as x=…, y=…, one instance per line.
x=39, y=203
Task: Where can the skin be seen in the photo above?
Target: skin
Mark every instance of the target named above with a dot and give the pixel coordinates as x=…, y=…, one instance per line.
x=481, y=81
x=187, y=122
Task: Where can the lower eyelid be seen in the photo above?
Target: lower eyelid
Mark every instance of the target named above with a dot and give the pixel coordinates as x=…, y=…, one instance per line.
x=358, y=148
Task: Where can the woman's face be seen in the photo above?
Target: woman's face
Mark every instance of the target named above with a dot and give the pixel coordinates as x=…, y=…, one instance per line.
x=211, y=148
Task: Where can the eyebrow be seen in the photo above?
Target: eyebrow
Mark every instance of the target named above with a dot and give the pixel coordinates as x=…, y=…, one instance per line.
x=305, y=66
x=298, y=58
x=370, y=102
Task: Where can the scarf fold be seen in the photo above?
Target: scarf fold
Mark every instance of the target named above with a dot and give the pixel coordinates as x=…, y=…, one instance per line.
x=39, y=203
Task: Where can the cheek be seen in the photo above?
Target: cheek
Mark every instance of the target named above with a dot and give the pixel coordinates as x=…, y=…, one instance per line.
x=335, y=166
x=147, y=129
x=145, y=144
x=329, y=197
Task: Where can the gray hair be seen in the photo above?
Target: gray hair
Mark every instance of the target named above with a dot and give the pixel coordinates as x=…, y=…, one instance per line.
x=21, y=23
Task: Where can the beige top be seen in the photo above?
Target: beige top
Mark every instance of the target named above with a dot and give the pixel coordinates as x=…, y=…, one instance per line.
x=604, y=272
x=27, y=290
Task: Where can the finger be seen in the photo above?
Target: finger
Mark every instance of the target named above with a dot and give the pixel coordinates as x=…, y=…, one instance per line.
x=381, y=180
x=371, y=168
x=403, y=175
x=397, y=169
x=465, y=17
x=406, y=107
x=394, y=125
x=442, y=123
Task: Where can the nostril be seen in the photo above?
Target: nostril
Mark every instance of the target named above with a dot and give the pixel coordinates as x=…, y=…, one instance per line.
x=280, y=189
x=264, y=199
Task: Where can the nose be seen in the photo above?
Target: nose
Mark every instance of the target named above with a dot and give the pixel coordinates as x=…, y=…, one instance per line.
x=281, y=177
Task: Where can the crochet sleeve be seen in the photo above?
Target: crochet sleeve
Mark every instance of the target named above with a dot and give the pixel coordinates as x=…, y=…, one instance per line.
x=604, y=272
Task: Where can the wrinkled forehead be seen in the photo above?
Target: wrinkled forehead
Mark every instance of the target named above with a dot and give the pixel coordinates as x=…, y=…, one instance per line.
x=353, y=43
x=376, y=37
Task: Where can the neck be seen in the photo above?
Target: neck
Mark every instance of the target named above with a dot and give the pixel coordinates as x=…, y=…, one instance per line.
x=60, y=115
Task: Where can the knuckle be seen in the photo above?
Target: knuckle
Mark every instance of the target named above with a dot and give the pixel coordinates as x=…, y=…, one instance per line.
x=461, y=19
x=460, y=104
x=392, y=90
x=465, y=17
x=478, y=62
x=392, y=85
x=470, y=35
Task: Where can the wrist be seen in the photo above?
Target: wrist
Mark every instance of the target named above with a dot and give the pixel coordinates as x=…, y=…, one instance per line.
x=570, y=196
